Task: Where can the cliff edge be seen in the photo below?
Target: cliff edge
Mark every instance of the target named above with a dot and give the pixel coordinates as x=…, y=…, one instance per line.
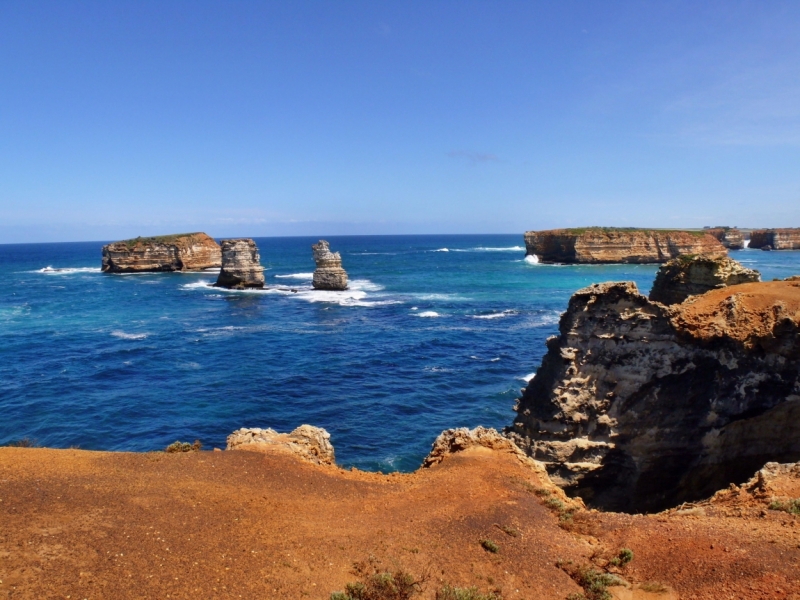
x=775, y=239
x=595, y=245
x=179, y=252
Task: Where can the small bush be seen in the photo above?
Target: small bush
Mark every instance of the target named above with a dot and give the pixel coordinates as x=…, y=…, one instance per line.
x=653, y=587
x=23, y=443
x=593, y=582
x=454, y=593
x=623, y=558
x=508, y=530
x=790, y=506
x=376, y=584
x=490, y=546
x=178, y=446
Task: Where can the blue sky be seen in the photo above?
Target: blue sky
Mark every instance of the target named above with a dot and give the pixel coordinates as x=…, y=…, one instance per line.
x=321, y=118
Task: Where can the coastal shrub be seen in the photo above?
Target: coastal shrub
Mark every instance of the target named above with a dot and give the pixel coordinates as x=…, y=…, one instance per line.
x=654, y=587
x=791, y=506
x=179, y=446
x=594, y=583
x=490, y=546
x=508, y=530
x=472, y=593
x=377, y=584
x=23, y=443
x=624, y=556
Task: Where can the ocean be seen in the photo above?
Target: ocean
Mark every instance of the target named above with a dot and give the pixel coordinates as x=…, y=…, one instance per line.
x=435, y=332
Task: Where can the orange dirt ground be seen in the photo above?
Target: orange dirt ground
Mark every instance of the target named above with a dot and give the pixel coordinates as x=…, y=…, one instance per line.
x=239, y=524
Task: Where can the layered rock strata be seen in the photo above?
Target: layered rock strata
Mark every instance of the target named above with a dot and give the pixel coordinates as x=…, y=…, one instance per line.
x=329, y=274
x=310, y=443
x=610, y=245
x=179, y=252
x=241, y=265
x=689, y=275
x=638, y=406
x=775, y=239
x=730, y=237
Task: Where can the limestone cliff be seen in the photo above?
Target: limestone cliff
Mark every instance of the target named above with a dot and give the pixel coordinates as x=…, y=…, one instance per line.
x=329, y=274
x=638, y=406
x=691, y=275
x=179, y=252
x=241, y=265
x=612, y=245
x=776, y=239
x=730, y=237
x=310, y=443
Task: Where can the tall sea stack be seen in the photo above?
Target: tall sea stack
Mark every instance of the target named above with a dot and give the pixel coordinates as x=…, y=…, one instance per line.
x=241, y=265
x=329, y=274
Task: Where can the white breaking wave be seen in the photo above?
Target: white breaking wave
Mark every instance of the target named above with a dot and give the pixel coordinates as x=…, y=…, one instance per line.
x=505, y=313
x=532, y=259
x=197, y=285
x=67, y=270
x=747, y=243
x=296, y=276
x=427, y=313
x=509, y=249
x=128, y=336
x=527, y=378
x=442, y=250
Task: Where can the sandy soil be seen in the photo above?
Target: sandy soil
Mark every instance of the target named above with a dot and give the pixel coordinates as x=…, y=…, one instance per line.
x=238, y=524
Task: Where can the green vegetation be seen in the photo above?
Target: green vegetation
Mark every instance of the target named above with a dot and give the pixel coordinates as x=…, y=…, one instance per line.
x=653, y=587
x=157, y=239
x=508, y=530
x=623, y=558
x=594, y=583
x=23, y=443
x=183, y=447
x=791, y=506
x=490, y=546
x=582, y=230
x=378, y=584
x=454, y=593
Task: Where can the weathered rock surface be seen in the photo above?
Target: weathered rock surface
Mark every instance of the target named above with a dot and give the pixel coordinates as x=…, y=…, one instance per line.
x=730, y=237
x=180, y=252
x=308, y=442
x=241, y=265
x=690, y=275
x=776, y=239
x=329, y=274
x=638, y=406
x=610, y=245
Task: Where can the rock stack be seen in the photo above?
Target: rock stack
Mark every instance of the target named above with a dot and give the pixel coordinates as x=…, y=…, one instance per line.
x=329, y=274
x=177, y=252
x=241, y=266
x=775, y=239
x=692, y=275
x=730, y=237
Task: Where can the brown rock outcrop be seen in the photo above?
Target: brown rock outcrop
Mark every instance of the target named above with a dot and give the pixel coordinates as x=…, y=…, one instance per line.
x=241, y=265
x=611, y=245
x=179, y=252
x=308, y=442
x=638, y=406
x=329, y=274
x=775, y=239
x=730, y=237
x=690, y=275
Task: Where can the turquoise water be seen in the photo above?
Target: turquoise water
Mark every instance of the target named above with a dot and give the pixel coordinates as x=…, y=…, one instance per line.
x=436, y=332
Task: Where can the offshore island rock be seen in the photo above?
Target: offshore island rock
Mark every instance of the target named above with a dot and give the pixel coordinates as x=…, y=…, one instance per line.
x=692, y=275
x=596, y=245
x=178, y=252
x=329, y=274
x=241, y=266
x=639, y=406
x=775, y=239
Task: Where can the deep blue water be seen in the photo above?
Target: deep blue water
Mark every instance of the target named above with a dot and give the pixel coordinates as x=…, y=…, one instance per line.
x=425, y=340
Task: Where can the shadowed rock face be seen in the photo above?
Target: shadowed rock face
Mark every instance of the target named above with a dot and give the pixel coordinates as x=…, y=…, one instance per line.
x=730, y=237
x=776, y=239
x=596, y=245
x=329, y=274
x=692, y=275
x=179, y=252
x=638, y=406
x=241, y=266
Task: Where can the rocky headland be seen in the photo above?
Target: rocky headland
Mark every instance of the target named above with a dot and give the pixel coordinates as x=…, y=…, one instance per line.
x=593, y=245
x=639, y=406
x=730, y=237
x=241, y=265
x=329, y=274
x=179, y=252
x=691, y=275
x=775, y=239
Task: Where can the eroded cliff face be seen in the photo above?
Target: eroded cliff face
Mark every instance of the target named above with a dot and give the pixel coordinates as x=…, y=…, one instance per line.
x=241, y=265
x=329, y=274
x=609, y=245
x=776, y=239
x=638, y=406
x=690, y=275
x=730, y=237
x=180, y=252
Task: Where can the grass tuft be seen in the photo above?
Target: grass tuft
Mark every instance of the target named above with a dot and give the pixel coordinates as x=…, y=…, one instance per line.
x=490, y=546
x=624, y=556
x=24, y=443
x=178, y=446
x=378, y=584
x=791, y=506
x=472, y=593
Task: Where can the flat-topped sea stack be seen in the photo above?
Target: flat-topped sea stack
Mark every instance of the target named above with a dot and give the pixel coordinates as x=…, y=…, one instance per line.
x=329, y=274
x=638, y=406
x=178, y=252
x=730, y=237
x=597, y=245
x=690, y=275
x=775, y=239
x=241, y=265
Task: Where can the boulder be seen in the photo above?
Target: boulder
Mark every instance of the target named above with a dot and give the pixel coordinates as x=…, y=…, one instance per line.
x=690, y=275
x=241, y=265
x=329, y=274
x=178, y=252
x=307, y=442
